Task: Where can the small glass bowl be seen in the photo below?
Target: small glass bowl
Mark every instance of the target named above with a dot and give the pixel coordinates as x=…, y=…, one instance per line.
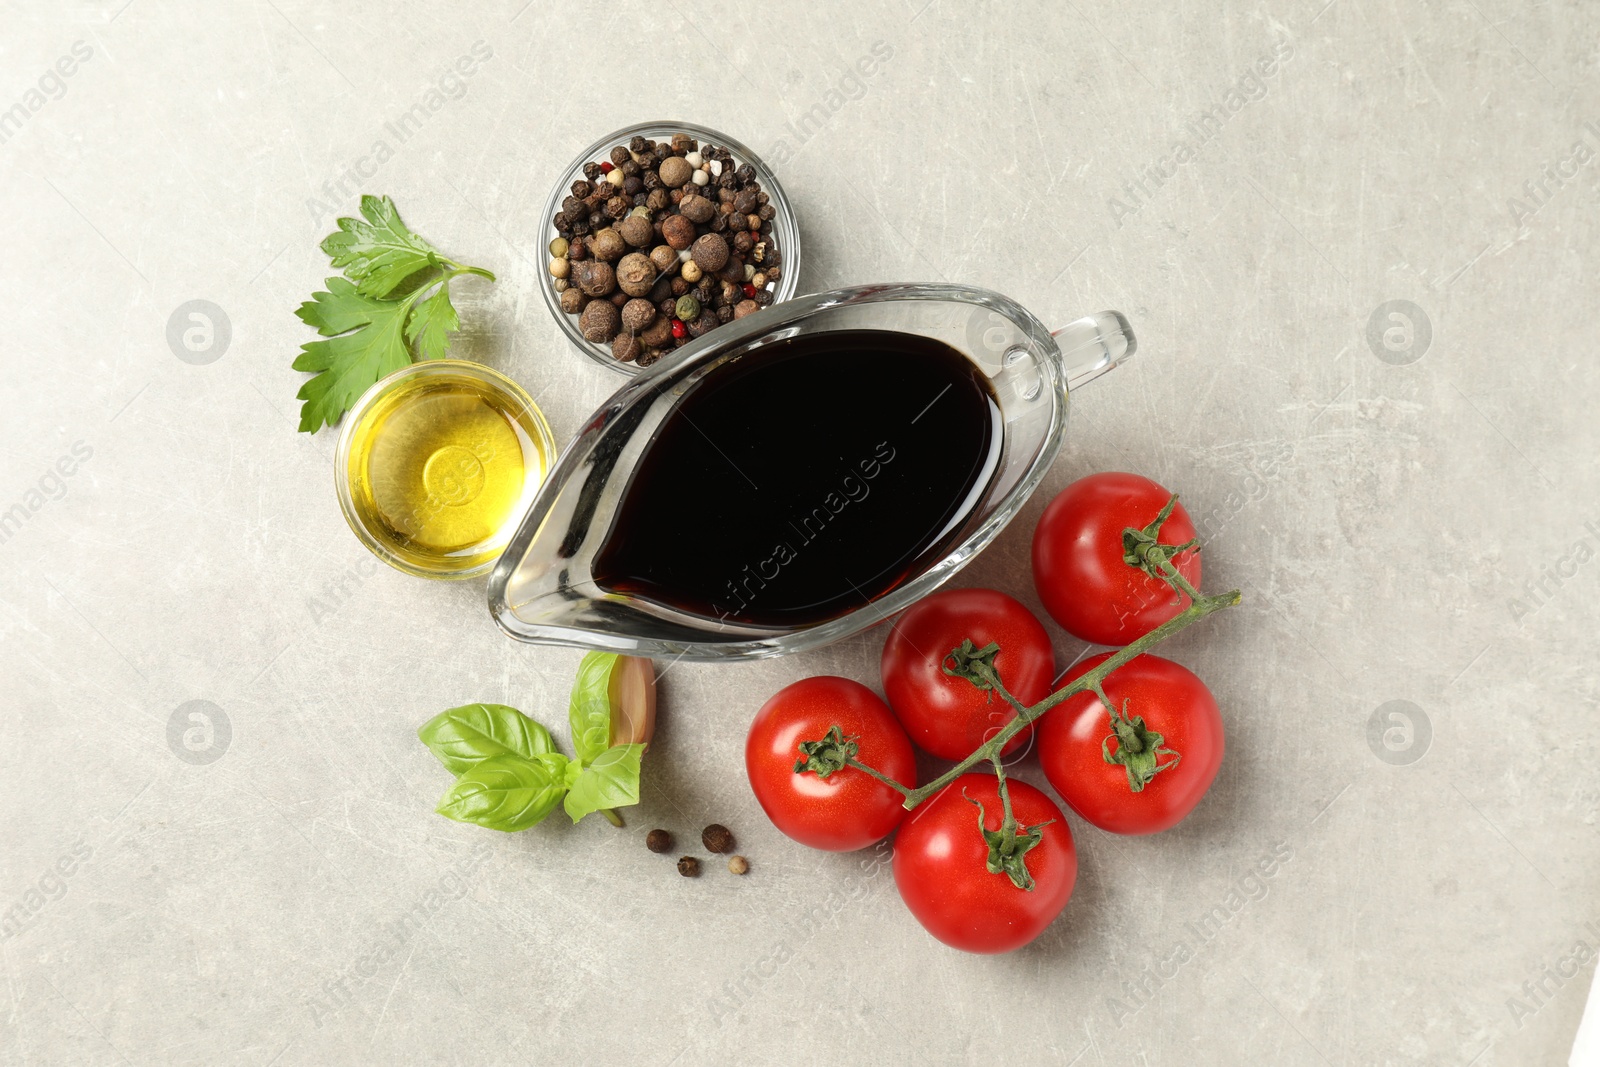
x=784, y=228
x=462, y=467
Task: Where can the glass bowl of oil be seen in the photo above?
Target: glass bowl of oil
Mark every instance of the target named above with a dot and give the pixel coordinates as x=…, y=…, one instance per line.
x=437, y=463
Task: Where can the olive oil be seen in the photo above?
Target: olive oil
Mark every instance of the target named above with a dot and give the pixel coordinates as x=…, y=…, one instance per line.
x=805, y=479
x=440, y=463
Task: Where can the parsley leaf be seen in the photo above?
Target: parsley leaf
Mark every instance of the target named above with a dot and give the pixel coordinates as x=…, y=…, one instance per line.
x=380, y=253
x=366, y=341
x=391, y=307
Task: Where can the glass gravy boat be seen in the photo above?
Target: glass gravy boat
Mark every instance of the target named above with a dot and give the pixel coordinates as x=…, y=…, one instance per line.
x=543, y=589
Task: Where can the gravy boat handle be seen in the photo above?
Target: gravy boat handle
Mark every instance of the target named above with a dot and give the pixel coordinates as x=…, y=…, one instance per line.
x=1093, y=345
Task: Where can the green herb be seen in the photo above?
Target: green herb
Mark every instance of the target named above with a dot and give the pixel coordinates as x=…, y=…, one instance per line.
x=392, y=306
x=509, y=774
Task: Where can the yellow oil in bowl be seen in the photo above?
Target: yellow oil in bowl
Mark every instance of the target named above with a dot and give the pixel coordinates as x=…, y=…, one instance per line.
x=437, y=463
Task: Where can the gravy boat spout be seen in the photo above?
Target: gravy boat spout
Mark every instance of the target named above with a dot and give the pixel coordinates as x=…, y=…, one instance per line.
x=545, y=588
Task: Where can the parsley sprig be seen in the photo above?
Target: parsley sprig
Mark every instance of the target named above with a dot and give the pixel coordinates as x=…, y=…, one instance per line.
x=391, y=306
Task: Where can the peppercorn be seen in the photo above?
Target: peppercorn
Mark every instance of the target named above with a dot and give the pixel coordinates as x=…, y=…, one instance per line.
x=688, y=309
x=636, y=230
x=599, y=321
x=618, y=298
x=733, y=270
x=703, y=325
x=759, y=281
x=617, y=206
x=738, y=864
x=743, y=242
x=763, y=297
x=647, y=357
x=661, y=290
x=749, y=290
x=716, y=838
x=591, y=171
x=725, y=314
x=630, y=169
x=679, y=330
x=636, y=274
x=745, y=307
x=767, y=212
x=737, y=222
x=559, y=247
x=637, y=143
x=682, y=142
x=573, y=299
x=710, y=252
x=577, y=249
x=559, y=267
x=674, y=171
x=745, y=202
x=619, y=156
x=678, y=231
x=680, y=286
x=773, y=273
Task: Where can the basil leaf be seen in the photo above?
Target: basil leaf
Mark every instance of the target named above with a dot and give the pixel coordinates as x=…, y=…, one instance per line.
x=589, y=712
x=611, y=781
x=464, y=737
x=507, y=792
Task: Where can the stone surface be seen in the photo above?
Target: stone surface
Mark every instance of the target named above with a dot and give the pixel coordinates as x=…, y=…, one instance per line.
x=278, y=891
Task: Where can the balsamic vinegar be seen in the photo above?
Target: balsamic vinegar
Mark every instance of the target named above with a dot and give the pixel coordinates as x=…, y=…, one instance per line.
x=805, y=479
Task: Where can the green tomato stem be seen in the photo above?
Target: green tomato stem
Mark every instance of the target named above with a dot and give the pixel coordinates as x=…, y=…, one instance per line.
x=1093, y=680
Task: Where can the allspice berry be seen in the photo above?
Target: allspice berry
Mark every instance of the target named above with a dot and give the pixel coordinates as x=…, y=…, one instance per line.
x=594, y=278
x=710, y=252
x=674, y=171
x=689, y=867
x=607, y=244
x=745, y=307
x=716, y=838
x=626, y=347
x=600, y=321
x=636, y=274
x=636, y=230
x=738, y=865
x=658, y=841
x=637, y=314
x=697, y=208
x=658, y=333
x=676, y=230
x=663, y=257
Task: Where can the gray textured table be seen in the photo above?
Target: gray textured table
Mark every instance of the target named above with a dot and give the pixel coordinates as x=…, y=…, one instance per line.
x=1409, y=503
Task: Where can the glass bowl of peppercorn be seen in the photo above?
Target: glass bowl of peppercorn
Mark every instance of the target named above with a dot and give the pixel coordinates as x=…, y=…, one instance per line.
x=659, y=233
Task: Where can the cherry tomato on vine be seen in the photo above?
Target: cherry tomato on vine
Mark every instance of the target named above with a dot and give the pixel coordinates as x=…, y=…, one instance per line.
x=848, y=809
x=949, y=716
x=940, y=866
x=1172, y=702
x=1078, y=565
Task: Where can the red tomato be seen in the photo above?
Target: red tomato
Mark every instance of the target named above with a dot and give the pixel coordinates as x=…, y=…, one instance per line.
x=950, y=716
x=1077, y=559
x=940, y=867
x=848, y=809
x=1173, y=703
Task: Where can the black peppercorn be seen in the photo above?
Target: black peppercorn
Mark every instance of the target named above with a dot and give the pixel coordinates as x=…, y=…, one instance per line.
x=638, y=143
x=591, y=171
x=716, y=838
x=763, y=297
x=689, y=867
x=658, y=841
x=632, y=185
x=725, y=313
x=619, y=155
x=746, y=173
